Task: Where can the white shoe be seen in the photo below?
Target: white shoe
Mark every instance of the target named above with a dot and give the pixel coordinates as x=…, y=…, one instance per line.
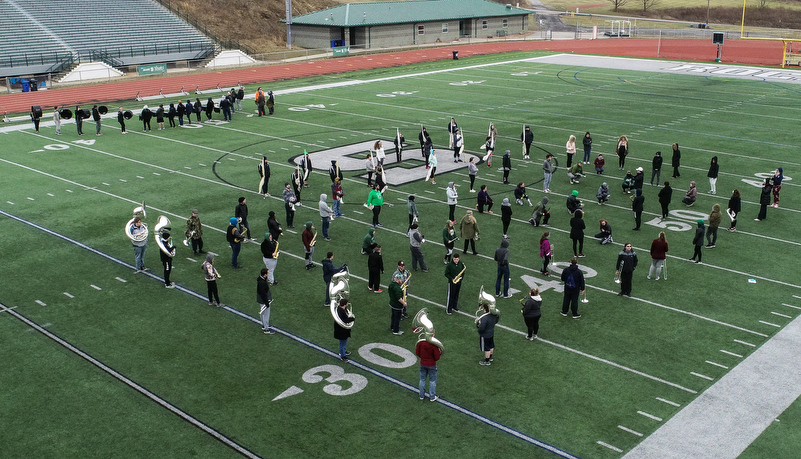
x=657, y=277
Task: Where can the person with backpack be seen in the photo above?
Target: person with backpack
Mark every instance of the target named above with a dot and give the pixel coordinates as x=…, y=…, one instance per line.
x=574, y=286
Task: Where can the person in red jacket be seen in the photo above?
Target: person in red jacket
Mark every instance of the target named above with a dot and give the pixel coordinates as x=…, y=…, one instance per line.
x=429, y=354
x=659, y=247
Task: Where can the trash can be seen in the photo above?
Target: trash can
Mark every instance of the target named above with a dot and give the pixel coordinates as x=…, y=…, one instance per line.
x=455, y=55
x=26, y=86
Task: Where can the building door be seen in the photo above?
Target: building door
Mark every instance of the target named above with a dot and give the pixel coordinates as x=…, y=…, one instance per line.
x=464, y=29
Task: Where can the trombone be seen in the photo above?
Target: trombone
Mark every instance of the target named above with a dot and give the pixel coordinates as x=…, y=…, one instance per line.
x=458, y=277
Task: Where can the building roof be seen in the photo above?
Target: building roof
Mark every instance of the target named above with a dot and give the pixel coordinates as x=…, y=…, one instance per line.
x=402, y=12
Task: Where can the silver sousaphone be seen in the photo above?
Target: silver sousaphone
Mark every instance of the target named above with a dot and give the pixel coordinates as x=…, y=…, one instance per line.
x=163, y=225
x=339, y=289
x=487, y=299
x=137, y=212
x=423, y=325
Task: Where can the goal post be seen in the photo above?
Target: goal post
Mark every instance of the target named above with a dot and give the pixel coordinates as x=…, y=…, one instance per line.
x=787, y=57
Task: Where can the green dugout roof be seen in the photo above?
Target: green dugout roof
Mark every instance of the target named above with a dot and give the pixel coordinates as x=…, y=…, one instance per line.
x=371, y=14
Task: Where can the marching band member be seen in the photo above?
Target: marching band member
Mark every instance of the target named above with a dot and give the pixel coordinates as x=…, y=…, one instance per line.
x=335, y=172
x=458, y=146
x=260, y=101
x=194, y=232
x=211, y=275
x=380, y=156
x=468, y=228
x=527, y=137
x=273, y=226
x=399, y=139
x=452, y=200
x=269, y=252
x=413, y=213
x=415, y=240
x=396, y=305
x=374, y=202
x=209, y=108
x=308, y=238
x=270, y=102
x=328, y=273
x=426, y=145
x=449, y=237
x=241, y=214
x=341, y=333
x=79, y=120
x=139, y=246
x=369, y=165
x=264, y=297
x=432, y=165
x=166, y=260
x=290, y=200
x=452, y=270
x=381, y=179
x=452, y=128
x=368, y=243
x=57, y=119
x=506, y=162
x=405, y=275
x=326, y=214
x=264, y=174
x=429, y=354
x=160, y=117
x=197, y=108
x=486, y=333
x=121, y=120
x=296, y=180
x=337, y=194
x=375, y=268
x=234, y=238
x=306, y=168
x=96, y=118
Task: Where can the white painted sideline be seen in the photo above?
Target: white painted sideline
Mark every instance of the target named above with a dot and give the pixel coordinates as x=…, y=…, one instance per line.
x=724, y=420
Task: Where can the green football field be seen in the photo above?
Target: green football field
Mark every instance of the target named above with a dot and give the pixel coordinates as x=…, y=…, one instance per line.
x=99, y=361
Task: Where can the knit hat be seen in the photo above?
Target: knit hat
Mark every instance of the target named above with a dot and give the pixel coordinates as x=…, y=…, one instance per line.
x=575, y=192
x=309, y=225
x=266, y=236
x=232, y=220
x=700, y=222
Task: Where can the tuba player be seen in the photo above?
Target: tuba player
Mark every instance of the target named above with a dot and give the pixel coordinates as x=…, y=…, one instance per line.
x=342, y=333
x=139, y=246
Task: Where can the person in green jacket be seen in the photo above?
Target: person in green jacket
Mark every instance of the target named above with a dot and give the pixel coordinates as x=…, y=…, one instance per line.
x=374, y=202
x=368, y=244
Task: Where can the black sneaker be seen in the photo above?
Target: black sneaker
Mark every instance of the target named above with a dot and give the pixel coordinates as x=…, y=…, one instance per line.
x=577, y=316
x=564, y=314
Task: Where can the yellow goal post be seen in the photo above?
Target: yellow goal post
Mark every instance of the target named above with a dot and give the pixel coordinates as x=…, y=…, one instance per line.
x=787, y=58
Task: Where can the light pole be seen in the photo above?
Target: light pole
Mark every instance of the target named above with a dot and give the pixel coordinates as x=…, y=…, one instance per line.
x=707, y=13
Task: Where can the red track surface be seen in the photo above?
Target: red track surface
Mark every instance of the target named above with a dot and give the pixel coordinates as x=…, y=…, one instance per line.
x=750, y=52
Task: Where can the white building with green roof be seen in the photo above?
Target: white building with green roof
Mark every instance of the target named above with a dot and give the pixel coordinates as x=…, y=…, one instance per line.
x=385, y=24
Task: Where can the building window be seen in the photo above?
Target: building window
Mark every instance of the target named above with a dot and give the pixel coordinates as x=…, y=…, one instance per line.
x=505, y=23
x=484, y=25
x=444, y=27
x=421, y=30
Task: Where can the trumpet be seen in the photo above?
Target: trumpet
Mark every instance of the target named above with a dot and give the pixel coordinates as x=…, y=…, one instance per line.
x=423, y=325
x=163, y=224
x=485, y=299
x=458, y=277
x=144, y=234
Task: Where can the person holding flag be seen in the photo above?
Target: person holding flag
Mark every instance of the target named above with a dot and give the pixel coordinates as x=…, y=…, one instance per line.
x=399, y=139
x=458, y=146
x=527, y=137
x=452, y=128
x=489, y=145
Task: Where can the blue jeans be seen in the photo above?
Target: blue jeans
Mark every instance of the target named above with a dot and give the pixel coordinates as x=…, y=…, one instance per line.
x=547, y=181
x=337, y=212
x=326, y=223
x=587, y=152
x=431, y=373
x=503, y=271
x=139, y=254
x=235, y=248
x=342, y=344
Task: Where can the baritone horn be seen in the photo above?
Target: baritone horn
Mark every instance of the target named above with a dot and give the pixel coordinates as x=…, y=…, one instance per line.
x=163, y=224
x=423, y=325
x=339, y=289
x=485, y=299
x=189, y=237
x=137, y=212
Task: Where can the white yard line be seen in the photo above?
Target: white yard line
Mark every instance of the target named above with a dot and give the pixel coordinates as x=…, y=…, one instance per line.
x=726, y=418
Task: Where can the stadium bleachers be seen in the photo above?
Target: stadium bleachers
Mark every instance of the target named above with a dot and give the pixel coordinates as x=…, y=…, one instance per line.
x=34, y=34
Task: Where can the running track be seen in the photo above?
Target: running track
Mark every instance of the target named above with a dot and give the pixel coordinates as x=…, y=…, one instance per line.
x=753, y=52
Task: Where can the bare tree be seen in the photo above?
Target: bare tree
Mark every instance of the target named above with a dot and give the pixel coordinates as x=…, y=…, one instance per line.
x=618, y=3
x=647, y=4
x=763, y=3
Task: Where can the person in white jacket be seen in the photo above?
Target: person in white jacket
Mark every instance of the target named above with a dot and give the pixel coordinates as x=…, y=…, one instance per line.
x=452, y=199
